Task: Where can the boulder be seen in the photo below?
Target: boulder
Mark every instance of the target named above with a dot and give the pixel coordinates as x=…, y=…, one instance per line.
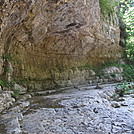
x=6, y=100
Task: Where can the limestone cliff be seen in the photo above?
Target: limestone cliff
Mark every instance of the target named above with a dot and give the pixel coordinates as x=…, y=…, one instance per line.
x=50, y=37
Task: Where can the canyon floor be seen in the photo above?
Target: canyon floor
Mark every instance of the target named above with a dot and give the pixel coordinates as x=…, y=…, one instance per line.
x=80, y=110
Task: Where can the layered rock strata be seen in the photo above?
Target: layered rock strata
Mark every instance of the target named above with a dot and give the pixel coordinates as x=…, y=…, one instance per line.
x=49, y=38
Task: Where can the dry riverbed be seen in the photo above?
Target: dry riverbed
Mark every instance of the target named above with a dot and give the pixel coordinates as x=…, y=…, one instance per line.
x=82, y=110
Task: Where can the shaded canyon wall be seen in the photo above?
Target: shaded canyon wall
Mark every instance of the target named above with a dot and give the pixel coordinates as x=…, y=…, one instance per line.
x=49, y=38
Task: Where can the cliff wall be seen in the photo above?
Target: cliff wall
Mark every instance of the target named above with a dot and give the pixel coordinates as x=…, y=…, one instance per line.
x=50, y=39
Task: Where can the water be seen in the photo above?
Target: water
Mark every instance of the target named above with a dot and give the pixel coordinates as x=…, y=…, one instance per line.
x=38, y=102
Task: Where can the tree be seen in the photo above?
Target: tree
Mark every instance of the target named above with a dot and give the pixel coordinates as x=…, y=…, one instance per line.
x=127, y=15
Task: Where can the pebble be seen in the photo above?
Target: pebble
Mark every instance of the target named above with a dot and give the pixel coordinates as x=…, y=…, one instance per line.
x=115, y=104
x=25, y=104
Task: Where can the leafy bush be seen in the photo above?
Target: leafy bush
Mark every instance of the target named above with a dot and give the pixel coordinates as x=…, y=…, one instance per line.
x=107, y=6
x=128, y=72
x=127, y=16
x=122, y=87
x=15, y=93
x=108, y=63
x=7, y=84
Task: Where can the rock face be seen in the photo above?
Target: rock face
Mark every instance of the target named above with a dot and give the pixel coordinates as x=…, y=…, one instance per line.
x=50, y=37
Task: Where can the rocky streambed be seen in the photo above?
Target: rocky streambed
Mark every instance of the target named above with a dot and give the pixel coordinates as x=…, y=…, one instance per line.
x=80, y=110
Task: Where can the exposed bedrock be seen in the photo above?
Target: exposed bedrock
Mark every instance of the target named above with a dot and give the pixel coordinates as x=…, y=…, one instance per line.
x=47, y=37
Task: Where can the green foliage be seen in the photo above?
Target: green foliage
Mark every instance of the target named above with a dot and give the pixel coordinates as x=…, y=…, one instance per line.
x=107, y=6
x=8, y=57
x=7, y=84
x=113, y=74
x=127, y=32
x=15, y=93
x=88, y=66
x=108, y=63
x=11, y=58
x=123, y=87
x=3, y=83
x=129, y=20
x=7, y=69
x=128, y=72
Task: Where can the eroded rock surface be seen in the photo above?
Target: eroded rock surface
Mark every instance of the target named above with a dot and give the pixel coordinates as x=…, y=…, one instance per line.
x=48, y=38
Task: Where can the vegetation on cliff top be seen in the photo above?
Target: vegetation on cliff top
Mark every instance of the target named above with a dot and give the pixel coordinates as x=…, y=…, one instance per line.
x=127, y=20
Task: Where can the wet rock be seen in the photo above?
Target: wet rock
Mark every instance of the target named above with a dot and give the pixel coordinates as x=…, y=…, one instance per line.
x=42, y=93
